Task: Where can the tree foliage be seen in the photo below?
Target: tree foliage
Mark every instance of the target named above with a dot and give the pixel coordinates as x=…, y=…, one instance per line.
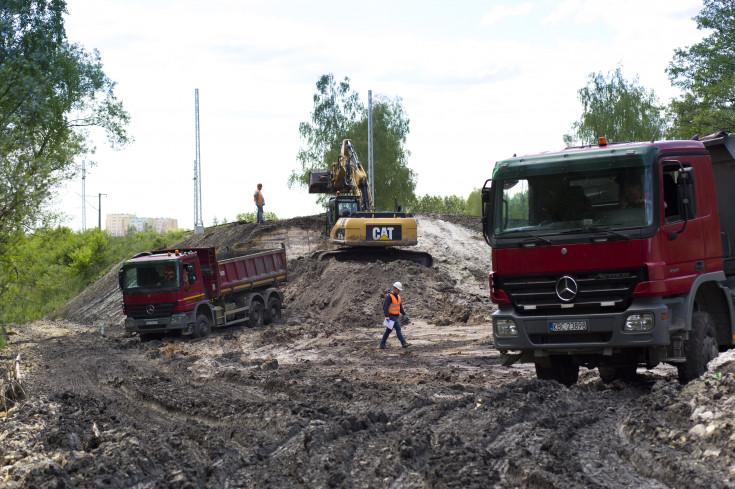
x=394, y=181
x=339, y=114
x=335, y=109
x=617, y=109
x=54, y=264
x=252, y=216
x=706, y=74
x=51, y=93
x=434, y=204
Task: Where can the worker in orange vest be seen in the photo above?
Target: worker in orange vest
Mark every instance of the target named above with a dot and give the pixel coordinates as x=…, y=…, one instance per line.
x=392, y=307
x=259, y=202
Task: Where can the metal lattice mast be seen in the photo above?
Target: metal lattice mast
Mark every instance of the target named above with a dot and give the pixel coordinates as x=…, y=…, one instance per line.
x=198, y=223
x=370, y=144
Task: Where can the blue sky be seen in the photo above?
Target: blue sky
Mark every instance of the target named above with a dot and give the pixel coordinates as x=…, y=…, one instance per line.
x=480, y=80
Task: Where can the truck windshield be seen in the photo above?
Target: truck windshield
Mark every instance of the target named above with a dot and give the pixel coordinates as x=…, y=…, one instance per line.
x=615, y=198
x=158, y=276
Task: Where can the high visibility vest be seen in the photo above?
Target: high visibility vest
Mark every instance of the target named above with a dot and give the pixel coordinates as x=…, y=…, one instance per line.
x=395, y=305
x=258, y=197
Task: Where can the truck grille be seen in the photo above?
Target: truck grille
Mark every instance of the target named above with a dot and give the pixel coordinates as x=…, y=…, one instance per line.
x=142, y=311
x=596, y=291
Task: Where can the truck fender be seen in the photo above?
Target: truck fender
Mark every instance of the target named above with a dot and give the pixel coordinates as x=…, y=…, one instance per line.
x=205, y=307
x=709, y=294
x=268, y=293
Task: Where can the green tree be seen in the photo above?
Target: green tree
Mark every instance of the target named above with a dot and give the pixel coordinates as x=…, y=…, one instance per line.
x=706, y=74
x=432, y=204
x=338, y=114
x=251, y=217
x=617, y=109
x=51, y=94
x=394, y=181
x=473, y=207
x=335, y=109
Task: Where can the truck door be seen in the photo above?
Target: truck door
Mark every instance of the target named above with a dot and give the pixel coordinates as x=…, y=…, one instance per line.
x=685, y=254
x=192, y=284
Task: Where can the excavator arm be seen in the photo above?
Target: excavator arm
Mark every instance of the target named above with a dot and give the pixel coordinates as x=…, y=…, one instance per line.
x=347, y=176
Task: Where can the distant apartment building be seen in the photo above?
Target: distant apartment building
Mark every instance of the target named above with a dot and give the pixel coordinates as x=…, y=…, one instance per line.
x=119, y=224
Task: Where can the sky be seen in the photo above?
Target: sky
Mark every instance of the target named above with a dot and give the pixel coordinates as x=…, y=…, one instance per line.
x=479, y=80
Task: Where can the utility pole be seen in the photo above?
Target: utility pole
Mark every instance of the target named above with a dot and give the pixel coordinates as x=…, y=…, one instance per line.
x=99, y=209
x=198, y=223
x=370, y=145
x=84, y=193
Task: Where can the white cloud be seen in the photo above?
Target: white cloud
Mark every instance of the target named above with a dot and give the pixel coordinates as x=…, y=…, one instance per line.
x=502, y=12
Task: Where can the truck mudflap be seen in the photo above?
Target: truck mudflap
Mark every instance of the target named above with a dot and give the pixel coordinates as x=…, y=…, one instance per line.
x=177, y=322
x=648, y=325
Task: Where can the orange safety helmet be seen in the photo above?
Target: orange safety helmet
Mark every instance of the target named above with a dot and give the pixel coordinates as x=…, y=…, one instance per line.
x=169, y=273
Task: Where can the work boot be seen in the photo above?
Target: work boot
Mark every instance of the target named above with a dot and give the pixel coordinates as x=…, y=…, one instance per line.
x=406, y=345
x=383, y=347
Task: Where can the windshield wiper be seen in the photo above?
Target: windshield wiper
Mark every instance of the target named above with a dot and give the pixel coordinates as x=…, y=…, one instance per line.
x=535, y=236
x=597, y=229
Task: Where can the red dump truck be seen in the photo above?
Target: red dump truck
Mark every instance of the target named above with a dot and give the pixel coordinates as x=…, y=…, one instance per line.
x=614, y=256
x=191, y=290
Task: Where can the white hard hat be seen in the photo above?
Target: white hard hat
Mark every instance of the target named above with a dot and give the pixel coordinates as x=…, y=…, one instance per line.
x=398, y=285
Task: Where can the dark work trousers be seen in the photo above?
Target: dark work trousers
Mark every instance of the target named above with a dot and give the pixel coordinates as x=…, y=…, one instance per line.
x=396, y=327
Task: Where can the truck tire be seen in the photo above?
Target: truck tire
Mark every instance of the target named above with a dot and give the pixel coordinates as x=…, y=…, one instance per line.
x=561, y=369
x=273, y=311
x=699, y=349
x=202, y=326
x=257, y=314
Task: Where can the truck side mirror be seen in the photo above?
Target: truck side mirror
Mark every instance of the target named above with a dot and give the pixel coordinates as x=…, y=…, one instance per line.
x=686, y=197
x=488, y=200
x=120, y=276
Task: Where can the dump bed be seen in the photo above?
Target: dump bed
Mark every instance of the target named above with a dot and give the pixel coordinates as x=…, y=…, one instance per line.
x=251, y=271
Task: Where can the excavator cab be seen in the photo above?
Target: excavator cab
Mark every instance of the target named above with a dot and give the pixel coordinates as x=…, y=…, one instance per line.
x=341, y=206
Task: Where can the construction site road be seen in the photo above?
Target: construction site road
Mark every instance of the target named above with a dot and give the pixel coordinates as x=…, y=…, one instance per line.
x=311, y=401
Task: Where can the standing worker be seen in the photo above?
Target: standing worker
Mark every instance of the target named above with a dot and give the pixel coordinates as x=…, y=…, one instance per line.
x=392, y=306
x=259, y=202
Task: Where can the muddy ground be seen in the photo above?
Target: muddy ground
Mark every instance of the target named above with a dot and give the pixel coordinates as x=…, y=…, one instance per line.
x=312, y=402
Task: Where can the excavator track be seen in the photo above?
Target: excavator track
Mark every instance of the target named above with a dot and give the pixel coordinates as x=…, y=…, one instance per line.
x=371, y=254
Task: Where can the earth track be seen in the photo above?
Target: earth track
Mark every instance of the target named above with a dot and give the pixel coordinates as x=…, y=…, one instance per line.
x=312, y=402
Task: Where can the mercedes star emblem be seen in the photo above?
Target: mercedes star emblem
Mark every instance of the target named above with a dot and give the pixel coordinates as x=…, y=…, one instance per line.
x=151, y=308
x=566, y=288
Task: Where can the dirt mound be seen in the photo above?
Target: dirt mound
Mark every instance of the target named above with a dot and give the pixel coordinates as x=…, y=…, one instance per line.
x=327, y=293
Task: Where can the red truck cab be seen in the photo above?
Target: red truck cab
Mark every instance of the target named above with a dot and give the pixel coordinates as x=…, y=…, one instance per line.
x=611, y=256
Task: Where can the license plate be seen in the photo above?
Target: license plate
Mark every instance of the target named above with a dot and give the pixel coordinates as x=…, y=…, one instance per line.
x=566, y=326
x=151, y=322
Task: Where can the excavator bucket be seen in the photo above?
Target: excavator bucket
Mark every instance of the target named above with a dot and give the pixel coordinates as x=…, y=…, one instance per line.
x=320, y=182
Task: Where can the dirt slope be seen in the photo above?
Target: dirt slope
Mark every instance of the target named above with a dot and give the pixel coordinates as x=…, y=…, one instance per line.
x=311, y=401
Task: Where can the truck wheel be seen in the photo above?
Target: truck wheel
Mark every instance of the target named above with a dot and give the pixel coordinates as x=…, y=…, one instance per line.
x=561, y=369
x=273, y=311
x=699, y=349
x=202, y=327
x=257, y=314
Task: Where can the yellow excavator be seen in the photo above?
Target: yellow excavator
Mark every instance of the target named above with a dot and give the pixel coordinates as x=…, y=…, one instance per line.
x=351, y=217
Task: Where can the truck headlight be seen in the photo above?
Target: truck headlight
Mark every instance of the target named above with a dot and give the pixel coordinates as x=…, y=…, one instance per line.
x=638, y=323
x=175, y=321
x=505, y=327
x=129, y=323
